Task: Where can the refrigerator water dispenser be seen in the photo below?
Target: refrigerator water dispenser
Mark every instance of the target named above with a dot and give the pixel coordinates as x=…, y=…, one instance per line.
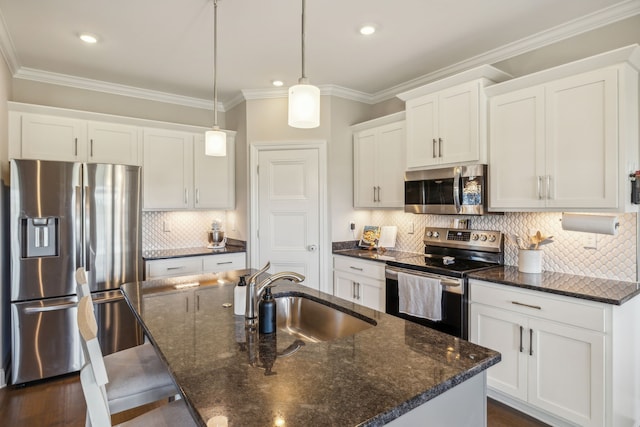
x=40, y=237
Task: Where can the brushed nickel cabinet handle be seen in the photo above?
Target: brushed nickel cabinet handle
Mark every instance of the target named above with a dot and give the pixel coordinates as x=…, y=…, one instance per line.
x=439, y=147
x=539, y=187
x=530, y=342
x=537, y=307
x=521, y=347
x=433, y=149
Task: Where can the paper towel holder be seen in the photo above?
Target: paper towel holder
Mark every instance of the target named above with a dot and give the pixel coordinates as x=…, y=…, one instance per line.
x=588, y=223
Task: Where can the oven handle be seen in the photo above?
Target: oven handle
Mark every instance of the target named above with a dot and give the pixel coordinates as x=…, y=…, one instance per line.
x=447, y=282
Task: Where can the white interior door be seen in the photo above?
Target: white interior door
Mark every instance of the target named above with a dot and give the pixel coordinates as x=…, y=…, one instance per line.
x=288, y=212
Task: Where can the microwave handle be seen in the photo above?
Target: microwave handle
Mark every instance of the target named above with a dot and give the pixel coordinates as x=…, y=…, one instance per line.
x=457, y=172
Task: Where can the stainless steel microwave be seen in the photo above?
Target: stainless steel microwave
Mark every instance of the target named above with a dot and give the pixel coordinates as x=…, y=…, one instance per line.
x=450, y=191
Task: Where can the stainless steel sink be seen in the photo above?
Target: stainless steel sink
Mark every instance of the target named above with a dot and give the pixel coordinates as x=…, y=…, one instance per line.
x=313, y=321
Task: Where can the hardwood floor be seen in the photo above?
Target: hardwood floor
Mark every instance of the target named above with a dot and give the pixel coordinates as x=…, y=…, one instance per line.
x=60, y=402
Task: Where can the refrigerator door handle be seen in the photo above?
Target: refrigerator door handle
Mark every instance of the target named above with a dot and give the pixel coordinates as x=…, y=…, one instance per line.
x=79, y=227
x=54, y=307
x=87, y=227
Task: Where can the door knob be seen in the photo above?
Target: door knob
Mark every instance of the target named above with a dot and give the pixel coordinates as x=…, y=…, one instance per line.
x=312, y=248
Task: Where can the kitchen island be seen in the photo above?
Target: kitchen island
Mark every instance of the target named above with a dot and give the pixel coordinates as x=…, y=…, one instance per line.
x=394, y=372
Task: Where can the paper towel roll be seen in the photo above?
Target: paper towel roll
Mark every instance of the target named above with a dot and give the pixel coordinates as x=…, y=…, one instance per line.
x=600, y=224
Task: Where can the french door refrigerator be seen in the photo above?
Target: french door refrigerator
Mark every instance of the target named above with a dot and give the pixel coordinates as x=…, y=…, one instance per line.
x=65, y=215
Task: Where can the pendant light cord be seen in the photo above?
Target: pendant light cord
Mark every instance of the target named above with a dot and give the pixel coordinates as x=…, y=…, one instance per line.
x=215, y=63
x=304, y=77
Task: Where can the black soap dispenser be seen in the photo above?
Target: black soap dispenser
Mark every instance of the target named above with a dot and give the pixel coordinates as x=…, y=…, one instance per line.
x=267, y=313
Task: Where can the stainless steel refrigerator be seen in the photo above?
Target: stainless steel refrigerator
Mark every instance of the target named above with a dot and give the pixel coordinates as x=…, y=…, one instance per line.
x=65, y=215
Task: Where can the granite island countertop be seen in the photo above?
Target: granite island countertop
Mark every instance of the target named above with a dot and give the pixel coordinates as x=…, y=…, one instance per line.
x=583, y=287
x=366, y=379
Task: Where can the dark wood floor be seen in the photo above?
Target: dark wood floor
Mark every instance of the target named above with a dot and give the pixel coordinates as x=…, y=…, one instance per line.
x=60, y=402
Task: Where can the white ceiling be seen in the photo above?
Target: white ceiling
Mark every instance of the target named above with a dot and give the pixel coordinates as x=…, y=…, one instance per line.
x=166, y=46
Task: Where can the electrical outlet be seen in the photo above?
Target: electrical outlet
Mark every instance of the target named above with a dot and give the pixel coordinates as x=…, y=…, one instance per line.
x=352, y=226
x=411, y=228
x=590, y=241
x=166, y=226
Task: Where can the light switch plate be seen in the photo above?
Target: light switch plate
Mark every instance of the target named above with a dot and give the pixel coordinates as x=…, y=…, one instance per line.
x=590, y=241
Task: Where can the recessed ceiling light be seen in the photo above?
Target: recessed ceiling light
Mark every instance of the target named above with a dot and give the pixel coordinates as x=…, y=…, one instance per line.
x=88, y=38
x=277, y=83
x=367, y=30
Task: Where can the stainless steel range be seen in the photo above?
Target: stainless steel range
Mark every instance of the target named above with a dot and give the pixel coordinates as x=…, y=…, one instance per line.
x=450, y=255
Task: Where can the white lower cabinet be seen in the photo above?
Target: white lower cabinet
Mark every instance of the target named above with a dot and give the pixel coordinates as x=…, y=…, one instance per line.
x=358, y=281
x=184, y=266
x=558, y=360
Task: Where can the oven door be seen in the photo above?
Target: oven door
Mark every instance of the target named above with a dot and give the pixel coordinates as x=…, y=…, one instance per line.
x=453, y=311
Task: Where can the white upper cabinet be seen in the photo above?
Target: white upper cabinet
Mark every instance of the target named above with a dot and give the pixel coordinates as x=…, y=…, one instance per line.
x=112, y=143
x=445, y=120
x=178, y=175
x=167, y=169
x=214, y=177
x=59, y=138
x=52, y=138
x=568, y=142
x=379, y=162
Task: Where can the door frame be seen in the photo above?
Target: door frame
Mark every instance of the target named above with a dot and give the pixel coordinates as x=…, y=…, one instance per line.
x=255, y=147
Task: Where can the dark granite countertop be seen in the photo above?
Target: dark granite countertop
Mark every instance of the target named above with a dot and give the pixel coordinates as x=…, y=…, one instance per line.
x=589, y=288
x=186, y=252
x=374, y=255
x=366, y=379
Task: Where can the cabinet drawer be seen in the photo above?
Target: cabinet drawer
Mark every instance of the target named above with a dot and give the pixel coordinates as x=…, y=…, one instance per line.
x=173, y=267
x=371, y=269
x=531, y=303
x=218, y=263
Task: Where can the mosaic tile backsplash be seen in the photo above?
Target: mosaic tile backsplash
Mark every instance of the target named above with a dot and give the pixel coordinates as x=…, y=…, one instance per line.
x=179, y=229
x=614, y=258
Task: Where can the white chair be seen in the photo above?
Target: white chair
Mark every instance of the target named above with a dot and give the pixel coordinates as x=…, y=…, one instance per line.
x=94, y=378
x=137, y=375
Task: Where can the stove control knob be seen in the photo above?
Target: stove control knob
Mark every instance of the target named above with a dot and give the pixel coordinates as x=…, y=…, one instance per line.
x=492, y=238
x=483, y=237
x=429, y=234
x=436, y=234
x=474, y=237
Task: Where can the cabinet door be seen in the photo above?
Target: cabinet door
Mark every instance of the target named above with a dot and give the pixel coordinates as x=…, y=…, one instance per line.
x=214, y=177
x=53, y=138
x=459, y=124
x=371, y=293
x=422, y=131
x=390, y=163
x=566, y=372
x=364, y=185
x=168, y=177
x=359, y=289
x=516, y=149
x=582, y=140
x=502, y=331
x=344, y=285
x=112, y=143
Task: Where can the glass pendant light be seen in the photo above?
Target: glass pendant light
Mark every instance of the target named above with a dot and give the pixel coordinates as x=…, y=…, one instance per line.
x=215, y=140
x=304, y=99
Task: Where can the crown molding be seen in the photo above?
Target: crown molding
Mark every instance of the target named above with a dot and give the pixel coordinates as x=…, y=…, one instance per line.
x=578, y=26
x=112, y=88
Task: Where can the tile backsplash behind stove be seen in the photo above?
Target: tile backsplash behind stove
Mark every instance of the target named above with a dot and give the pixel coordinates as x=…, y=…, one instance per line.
x=614, y=258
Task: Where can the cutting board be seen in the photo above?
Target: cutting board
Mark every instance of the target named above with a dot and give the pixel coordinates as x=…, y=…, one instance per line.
x=388, y=236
